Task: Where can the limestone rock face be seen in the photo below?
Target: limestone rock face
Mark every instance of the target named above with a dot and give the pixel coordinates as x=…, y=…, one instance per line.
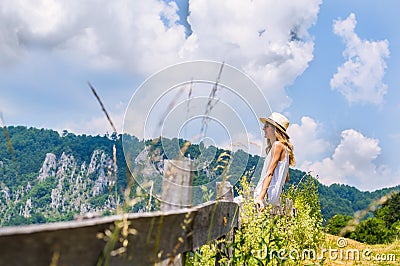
x=149, y=167
x=66, y=166
x=63, y=185
x=49, y=167
x=101, y=165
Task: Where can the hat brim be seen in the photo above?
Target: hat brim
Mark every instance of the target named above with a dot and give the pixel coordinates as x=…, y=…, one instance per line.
x=276, y=125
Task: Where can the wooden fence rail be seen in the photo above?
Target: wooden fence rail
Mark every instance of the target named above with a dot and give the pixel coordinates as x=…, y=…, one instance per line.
x=160, y=235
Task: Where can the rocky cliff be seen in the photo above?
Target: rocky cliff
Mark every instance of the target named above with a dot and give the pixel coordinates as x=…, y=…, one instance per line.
x=63, y=186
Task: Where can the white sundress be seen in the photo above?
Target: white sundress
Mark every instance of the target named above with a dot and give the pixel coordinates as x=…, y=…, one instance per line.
x=277, y=181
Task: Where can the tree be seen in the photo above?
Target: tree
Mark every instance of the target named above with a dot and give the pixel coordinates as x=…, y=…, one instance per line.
x=372, y=231
x=390, y=211
x=336, y=223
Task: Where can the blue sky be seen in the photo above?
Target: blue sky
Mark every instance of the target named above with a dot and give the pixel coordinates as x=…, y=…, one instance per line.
x=337, y=82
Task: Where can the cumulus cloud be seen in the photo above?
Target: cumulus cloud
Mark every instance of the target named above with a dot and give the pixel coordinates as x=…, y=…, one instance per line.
x=359, y=79
x=352, y=163
x=269, y=40
x=142, y=35
x=308, y=146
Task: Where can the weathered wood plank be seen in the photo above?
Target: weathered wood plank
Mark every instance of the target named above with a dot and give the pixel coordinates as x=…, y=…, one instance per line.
x=224, y=191
x=176, y=194
x=213, y=221
x=159, y=235
x=177, y=185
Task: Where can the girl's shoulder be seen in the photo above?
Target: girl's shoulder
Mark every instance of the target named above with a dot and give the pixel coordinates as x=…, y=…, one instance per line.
x=279, y=149
x=279, y=145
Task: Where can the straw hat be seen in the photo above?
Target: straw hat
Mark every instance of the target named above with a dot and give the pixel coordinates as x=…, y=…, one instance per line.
x=278, y=120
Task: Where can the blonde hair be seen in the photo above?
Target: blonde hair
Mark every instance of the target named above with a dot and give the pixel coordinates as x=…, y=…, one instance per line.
x=285, y=141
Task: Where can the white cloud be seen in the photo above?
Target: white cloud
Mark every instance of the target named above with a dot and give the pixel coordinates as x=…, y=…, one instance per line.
x=92, y=126
x=308, y=146
x=246, y=142
x=352, y=163
x=268, y=39
x=125, y=33
x=359, y=79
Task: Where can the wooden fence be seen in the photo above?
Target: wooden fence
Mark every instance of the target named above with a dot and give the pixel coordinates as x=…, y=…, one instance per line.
x=159, y=236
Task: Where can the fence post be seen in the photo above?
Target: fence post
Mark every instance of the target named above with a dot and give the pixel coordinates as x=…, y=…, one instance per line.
x=176, y=194
x=177, y=185
x=224, y=192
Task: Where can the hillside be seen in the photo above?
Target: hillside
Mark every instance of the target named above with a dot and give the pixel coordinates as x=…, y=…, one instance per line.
x=342, y=199
x=49, y=177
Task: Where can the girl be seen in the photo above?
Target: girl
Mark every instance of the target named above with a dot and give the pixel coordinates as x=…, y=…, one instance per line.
x=279, y=156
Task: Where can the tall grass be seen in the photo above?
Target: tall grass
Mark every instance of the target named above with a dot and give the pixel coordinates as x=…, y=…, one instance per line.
x=266, y=237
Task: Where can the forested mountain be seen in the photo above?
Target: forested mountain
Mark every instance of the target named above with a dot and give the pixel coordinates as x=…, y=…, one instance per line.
x=46, y=176
x=342, y=199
